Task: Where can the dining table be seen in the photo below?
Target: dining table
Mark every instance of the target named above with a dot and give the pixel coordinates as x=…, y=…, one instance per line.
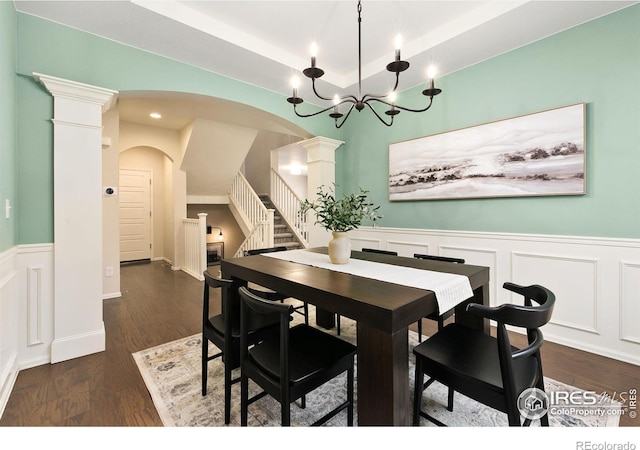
x=383, y=311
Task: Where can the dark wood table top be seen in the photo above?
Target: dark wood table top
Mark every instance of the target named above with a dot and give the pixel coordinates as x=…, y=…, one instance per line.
x=387, y=306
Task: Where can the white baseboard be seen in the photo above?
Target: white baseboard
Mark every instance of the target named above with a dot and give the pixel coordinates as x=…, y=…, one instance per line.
x=78, y=345
x=7, y=383
x=111, y=295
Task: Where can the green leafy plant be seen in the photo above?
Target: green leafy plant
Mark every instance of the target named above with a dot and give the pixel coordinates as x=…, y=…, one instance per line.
x=344, y=214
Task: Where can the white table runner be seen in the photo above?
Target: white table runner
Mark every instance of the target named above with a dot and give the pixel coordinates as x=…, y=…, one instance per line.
x=450, y=289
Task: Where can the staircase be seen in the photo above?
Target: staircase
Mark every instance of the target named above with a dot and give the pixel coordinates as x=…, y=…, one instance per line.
x=282, y=234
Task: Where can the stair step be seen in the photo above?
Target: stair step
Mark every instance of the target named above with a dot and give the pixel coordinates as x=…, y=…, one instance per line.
x=281, y=230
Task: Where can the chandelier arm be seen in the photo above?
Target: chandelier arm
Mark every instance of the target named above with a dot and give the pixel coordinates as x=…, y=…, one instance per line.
x=313, y=85
x=402, y=107
x=378, y=115
x=344, y=119
x=312, y=114
x=368, y=97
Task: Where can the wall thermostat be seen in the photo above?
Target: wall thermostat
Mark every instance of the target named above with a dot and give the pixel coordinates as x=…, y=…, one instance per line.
x=110, y=191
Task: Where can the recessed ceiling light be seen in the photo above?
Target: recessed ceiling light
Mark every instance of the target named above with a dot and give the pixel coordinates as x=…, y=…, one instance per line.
x=155, y=116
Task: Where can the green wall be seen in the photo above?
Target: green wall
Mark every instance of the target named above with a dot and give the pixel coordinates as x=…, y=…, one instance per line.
x=7, y=121
x=597, y=63
x=52, y=49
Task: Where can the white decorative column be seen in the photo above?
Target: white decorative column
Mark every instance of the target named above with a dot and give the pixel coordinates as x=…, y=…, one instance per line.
x=77, y=192
x=321, y=170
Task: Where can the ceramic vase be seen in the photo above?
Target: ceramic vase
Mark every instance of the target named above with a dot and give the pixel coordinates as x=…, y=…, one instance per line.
x=339, y=248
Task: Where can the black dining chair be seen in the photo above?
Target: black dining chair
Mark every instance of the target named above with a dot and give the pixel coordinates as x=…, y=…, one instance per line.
x=291, y=365
x=485, y=368
x=261, y=291
x=223, y=330
x=367, y=250
x=438, y=316
x=379, y=251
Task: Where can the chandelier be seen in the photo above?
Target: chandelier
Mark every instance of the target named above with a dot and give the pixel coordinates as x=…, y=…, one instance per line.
x=360, y=101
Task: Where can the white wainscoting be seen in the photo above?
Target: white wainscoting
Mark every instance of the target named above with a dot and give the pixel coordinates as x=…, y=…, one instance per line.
x=596, y=280
x=8, y=326
x=35, y=299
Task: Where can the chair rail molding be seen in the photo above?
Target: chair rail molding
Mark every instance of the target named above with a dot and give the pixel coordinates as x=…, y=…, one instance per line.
x=596, y=280
x=77, y=143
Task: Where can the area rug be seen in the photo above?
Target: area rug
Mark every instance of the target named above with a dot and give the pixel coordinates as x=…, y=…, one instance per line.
x=171, y=373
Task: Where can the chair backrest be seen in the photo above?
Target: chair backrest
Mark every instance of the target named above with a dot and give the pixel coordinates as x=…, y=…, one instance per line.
x=439, y=258
x=382, y=252
x=252, y=305
x=528, y=316
x=258, y=251
x=212, y=282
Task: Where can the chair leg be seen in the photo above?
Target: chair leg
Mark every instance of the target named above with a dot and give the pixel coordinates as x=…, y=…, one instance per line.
x=306, y=313
x=303, y=402
x=450, y=400
x=350, y=377
x=227, y=394
x=544, y=420
x=417, y=392
x=338, y=323
x=244, y=400
x=514, y=418
x=285, y=413
x=205, y=361
x=420, y=330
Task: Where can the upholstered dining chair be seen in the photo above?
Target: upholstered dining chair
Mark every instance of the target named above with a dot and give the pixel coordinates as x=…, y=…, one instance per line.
x=439, y=316
x=291, y=365
x=261, y=291
x=485, y=368
x=223, y=330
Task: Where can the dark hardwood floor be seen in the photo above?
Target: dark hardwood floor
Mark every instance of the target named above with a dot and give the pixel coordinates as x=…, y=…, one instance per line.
x=159, y=305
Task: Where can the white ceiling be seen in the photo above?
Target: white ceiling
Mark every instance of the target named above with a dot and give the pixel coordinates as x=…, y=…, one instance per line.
x=265, y=42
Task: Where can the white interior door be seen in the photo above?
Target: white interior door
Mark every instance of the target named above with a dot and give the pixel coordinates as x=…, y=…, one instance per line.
x=135, y=214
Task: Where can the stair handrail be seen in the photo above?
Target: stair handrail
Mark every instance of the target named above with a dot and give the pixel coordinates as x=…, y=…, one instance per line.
x=252, y=210
x=288, y=204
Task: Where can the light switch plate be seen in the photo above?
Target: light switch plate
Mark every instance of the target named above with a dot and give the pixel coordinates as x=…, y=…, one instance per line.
x=7, y=208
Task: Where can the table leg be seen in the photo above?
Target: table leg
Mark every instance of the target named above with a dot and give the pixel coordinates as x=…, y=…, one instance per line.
x=325, y=319
x=383, y=377
x=480, y=295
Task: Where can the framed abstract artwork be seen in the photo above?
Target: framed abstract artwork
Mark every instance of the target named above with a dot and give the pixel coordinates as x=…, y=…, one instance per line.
x=538, y=154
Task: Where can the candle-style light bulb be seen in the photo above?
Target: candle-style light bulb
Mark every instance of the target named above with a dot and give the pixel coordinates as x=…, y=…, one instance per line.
x=336, y=102
x=431, y=75
x=392, y=97
x=314, y=52
x=398, y=46
x=295, y=83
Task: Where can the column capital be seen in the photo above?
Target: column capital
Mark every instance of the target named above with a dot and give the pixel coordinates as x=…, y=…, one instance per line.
x=72, y=90
x=320, y=148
